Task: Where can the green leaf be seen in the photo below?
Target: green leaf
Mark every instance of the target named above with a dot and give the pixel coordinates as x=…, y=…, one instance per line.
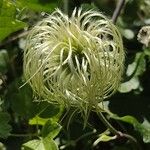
x=37, y=120
x=22, y=102
x=8, y=21
x=134, y=70
x=45, y=112
x=147, y=51
x=128, y=34
x=39, y=5
x=51, y=129
x=129, y=85
x=42, y=144
x=2, y=146
x=49, y=110
x=143, y=129
x=128, y=119
x=138, y=67
x=5, y=128
x=141, y=63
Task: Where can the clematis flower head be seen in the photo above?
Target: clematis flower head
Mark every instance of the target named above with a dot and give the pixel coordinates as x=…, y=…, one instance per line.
x=75, y=61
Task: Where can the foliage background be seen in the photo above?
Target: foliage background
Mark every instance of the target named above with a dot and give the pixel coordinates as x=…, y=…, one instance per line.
x=31, y=125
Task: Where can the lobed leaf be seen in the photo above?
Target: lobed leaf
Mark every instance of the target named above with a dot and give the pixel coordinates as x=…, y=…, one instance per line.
x=42, y=144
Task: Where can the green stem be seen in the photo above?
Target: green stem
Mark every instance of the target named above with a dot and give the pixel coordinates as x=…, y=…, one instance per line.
x=73, y=142
x=66, y=6
x=24, y=135
x=118, y=133
x=15, y=37
x=107, y=124
x=85, y=135
x=117, y=11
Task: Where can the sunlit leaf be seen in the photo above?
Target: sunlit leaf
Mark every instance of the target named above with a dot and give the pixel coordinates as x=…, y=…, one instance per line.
x=37, y=120
x=144, y=129
x=129, y=85
x=8, y=21
x=42, y=144
x=2, y=146
x=39, y=5
x=128, y=34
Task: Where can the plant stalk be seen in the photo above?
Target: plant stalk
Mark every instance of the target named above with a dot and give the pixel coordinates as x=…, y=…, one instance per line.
x=24, y=135
x=117, y=11
x=118, y=133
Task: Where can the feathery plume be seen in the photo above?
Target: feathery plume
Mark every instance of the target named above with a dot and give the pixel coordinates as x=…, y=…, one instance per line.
x=76, y=61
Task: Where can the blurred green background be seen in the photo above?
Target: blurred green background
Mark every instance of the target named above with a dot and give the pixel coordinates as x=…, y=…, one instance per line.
x=30, y=125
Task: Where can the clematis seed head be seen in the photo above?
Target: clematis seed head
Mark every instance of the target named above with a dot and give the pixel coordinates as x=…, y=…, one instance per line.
x=75, y=61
